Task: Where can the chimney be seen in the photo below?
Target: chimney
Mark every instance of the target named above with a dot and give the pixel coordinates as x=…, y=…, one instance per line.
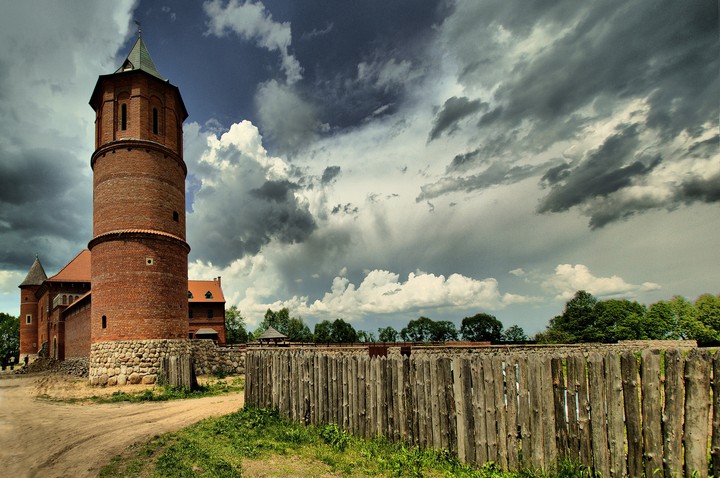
x=218, y=281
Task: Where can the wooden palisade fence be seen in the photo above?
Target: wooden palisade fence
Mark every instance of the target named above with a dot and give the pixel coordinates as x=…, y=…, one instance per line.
x=619, y=414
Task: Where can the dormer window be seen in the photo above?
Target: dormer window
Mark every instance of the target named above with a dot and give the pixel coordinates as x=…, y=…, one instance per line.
x=190, y=296
x=208, y=295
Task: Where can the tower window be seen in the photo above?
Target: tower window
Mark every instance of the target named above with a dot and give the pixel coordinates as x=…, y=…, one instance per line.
x=123, y=116
x=176, y=216
x=155, y=121
x=149, y=261
x=104, y=322
x=210, y=314
x=28, y=319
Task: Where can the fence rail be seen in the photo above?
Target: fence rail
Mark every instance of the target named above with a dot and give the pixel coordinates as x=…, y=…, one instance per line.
x=620, y=414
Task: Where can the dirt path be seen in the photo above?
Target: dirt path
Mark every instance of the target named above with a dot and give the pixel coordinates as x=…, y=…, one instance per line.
x=41, y=438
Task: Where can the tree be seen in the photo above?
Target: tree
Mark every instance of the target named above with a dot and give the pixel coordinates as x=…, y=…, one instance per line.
x=443, y=331
x=366, y=337
x=322, y=332
x=576, y=324
x=235, y=326
x=419, y=330
x=616, y=319
x=343, y=332
x=387, y=334
x=9, y=337
x=707, y=313
x=481, y=328
x=293, y=327
x=514, y=333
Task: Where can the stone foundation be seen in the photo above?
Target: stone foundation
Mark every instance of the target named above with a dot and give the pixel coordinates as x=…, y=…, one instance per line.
x=138, y=361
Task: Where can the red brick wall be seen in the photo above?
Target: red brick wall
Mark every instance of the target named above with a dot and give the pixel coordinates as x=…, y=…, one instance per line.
x=77, y=331
x=138, y=188
x=200, y=318
x=139, y=301
x=29, y=332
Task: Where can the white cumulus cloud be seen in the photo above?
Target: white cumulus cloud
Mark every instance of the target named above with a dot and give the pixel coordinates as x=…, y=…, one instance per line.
x=569, y=279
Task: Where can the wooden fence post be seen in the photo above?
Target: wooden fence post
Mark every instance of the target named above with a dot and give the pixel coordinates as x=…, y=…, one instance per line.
x=598, y=424
x=715, y=444
x=651, y=411
x=697, y=410
x=631, y=388
x=615, y=422
x=673, y=413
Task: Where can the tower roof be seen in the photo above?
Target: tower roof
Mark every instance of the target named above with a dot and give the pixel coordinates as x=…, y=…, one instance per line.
x=36, y=275
x=139, y=59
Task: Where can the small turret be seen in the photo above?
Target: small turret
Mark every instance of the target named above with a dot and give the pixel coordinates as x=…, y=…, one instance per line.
x=29, y=309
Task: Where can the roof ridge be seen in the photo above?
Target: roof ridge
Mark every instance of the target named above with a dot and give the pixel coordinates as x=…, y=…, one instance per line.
x=69, y=263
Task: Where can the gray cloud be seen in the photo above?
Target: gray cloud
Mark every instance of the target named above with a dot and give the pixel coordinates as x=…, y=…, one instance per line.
x=330, y=173
x=451, y=113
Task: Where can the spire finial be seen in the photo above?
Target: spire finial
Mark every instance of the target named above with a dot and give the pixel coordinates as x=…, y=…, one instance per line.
x=139, y=30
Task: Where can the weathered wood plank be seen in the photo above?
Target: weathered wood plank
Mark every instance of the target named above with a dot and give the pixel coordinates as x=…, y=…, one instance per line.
x=490, y=420
x=697, y=414
x=715, y=443
x=631, y=400
x=673, y=413
x=615, y=412
x=511, y=419
x=651, y=412
x=536, y=420
x=478, y=400
x=573, y=386
x=548, y=413
x=524, y=413
x=559, y=394
x=461, y=420
x=468, y=412
x=500, y=410
x=598, y=424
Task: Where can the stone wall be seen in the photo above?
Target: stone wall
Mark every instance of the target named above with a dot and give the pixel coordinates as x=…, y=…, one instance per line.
x=138, y=361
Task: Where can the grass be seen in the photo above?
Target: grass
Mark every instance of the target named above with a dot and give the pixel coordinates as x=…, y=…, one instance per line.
x=160, y=393
x=258, y=442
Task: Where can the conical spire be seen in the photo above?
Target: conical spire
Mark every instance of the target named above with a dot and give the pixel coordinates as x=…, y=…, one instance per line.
x=36, y=276
x=139, y=59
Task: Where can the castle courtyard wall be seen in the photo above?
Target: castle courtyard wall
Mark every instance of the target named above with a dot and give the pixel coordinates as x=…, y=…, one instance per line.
x=138, y=361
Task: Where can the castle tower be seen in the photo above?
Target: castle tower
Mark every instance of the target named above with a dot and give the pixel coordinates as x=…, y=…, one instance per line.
x=139, y=268
x=29, y=318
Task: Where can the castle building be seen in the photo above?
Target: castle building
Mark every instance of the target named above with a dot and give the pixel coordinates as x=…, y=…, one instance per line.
x=131, y=284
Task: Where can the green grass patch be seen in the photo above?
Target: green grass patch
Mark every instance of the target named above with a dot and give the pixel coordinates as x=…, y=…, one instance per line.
x=258, y=442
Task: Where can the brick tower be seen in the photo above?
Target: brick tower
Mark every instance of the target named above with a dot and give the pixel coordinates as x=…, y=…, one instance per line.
x=139, y=253
x=29, y=320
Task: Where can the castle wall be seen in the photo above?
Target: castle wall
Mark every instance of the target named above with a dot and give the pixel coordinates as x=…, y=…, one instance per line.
x=138, y=361
x=77, y=331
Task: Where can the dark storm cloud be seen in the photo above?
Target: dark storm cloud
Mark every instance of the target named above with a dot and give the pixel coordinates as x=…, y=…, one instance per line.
x=454, y=110
x=700, y=189
x=330, y=173
x=661, y=54
x=44, y=208
x=276, y=191
x=610, y=168
x=348, y=70
x=498, y=173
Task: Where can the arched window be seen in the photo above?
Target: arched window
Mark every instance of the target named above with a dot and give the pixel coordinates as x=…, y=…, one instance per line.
x=123, y=117
x=155, y=127
x=64, y=299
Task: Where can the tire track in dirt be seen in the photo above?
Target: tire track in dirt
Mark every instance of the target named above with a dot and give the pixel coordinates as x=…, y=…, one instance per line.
x=40, y=438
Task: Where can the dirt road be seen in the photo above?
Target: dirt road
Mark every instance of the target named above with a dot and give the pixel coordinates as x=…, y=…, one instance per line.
x=41, y=438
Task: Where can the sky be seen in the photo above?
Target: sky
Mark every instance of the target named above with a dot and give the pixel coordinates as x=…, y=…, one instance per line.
x=380, y=161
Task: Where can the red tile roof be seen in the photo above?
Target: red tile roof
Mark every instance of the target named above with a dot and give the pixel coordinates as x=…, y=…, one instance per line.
x=77, y=270
x=198, y=289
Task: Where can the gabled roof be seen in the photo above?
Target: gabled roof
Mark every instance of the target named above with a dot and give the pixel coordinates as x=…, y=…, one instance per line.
x=36, y=275
x=139, y=59
x=77, y=270
x=271, y=334
x=199, y=289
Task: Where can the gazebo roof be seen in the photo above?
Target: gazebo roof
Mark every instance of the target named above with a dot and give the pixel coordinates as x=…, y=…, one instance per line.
x=272, y=334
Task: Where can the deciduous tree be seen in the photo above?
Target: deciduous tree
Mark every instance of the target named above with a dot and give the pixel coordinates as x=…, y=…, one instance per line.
x=481, y=328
